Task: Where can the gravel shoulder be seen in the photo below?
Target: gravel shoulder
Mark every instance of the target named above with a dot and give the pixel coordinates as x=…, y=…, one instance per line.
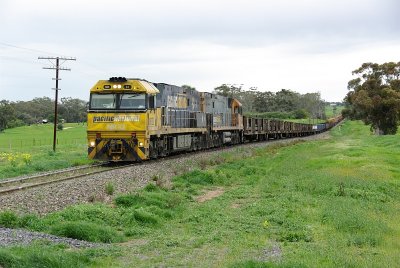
x=12, y=237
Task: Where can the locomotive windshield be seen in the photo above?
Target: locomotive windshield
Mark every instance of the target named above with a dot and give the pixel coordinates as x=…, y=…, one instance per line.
x=132, y=101
x=103, y=101
x=119, y=101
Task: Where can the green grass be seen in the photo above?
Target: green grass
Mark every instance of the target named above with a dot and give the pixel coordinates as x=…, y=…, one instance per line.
x=41, y=254
x=327, y=203
x=307, y=120
x=29, y=149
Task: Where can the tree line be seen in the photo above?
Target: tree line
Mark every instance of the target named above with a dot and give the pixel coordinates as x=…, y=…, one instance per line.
x=282, y=104
x=19, y=113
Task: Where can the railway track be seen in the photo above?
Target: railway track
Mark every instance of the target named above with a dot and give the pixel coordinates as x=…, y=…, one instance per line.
x=13, y=185
x=126, y=179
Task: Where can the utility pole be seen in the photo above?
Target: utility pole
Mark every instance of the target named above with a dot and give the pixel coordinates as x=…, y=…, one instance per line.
x=56, y=66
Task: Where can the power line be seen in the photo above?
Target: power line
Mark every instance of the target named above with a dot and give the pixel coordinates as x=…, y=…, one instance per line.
x=56, y=66
x=29, y=49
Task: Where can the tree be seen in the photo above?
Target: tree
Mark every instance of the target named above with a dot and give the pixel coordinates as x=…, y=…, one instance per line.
x=188, y=87
x=227, y=90
x=313, y=104
x=287, y=100
x=264, y=102
x=374, y=96
x=7, y=114
x=38, y=108
x=73, y=110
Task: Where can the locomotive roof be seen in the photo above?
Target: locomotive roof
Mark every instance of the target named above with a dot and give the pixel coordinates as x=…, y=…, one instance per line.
x=125, y=85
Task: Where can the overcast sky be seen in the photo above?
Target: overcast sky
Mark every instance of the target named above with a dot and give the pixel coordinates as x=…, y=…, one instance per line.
x=303, y=45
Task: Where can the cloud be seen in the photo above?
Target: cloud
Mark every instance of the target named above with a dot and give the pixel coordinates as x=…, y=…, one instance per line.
x=304, y=45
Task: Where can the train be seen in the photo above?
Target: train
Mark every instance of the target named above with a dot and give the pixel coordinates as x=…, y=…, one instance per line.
x=132, y=119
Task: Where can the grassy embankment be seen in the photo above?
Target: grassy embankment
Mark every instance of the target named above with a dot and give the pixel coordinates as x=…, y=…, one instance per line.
x=29, y=149
x=330, y=203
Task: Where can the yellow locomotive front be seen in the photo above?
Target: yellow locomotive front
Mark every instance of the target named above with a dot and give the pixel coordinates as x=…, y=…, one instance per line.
x=120, y=113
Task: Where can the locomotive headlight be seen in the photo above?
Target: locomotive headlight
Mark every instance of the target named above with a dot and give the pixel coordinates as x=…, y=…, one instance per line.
x=141, y=144
x=114, y=86
x=92, y=143
x=119, y=86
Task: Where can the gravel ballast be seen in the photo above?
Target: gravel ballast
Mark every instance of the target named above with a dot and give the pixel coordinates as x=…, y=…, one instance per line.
x=12, y=237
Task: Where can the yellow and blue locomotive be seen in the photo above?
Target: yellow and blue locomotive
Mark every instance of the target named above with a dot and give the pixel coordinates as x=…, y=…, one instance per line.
x=135, y=120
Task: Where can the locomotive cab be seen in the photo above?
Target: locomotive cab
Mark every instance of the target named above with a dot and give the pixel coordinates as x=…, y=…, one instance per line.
x=118, y=116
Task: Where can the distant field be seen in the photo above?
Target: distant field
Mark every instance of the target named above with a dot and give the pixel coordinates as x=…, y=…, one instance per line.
x=37, y=141
x=325, y=203
x=331, y=112
x=38, y=137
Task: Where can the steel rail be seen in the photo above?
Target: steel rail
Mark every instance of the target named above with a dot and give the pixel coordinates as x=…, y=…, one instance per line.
x=26, y=185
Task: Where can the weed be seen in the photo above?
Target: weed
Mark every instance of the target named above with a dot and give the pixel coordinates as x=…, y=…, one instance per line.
x=340, y=191
x=109, y=188
x=158, y=179
x=203, y=163
x=8, y=219
x=91, y=198
x=26, y=158
x=151, y=188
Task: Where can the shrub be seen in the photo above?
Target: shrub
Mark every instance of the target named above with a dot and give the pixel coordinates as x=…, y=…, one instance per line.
x=300, y=114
